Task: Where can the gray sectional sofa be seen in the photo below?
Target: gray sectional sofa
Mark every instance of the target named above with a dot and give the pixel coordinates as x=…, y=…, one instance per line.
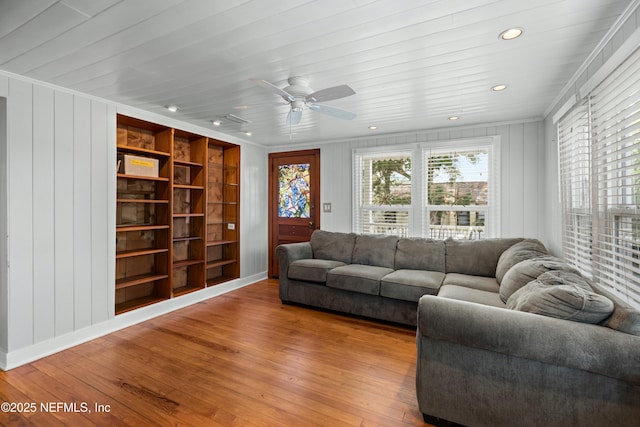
x=383, y=277
x=506, y=334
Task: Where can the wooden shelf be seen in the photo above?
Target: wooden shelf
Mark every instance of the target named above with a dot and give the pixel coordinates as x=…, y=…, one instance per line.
x=139, y=280
x=188, y=215
x=186, y=239
x=137, y=303
x=127, y=228
x=141, y=177
x=218, y=280
x=187, y=263
x=139, y=252
x=188, y=187
x=139, y=150
x=220, y=263
x=186, y=289
x=221, y=242
x=187, y=163
x=151, y=201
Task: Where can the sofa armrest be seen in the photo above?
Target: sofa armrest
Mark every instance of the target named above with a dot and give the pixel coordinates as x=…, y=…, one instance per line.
x=291, y=252
x=591, y=348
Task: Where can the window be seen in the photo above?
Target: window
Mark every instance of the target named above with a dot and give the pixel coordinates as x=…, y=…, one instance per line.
x=383, y=194
x=457, y=193
x=429, y=190
x=608, y=230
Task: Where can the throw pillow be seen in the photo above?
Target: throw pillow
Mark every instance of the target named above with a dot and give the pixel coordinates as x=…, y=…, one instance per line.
x=527, y=249
x=563, y=295
x=528, y=270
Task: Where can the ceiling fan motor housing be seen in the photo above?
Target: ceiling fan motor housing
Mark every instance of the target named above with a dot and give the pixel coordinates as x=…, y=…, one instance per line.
x=299, y=88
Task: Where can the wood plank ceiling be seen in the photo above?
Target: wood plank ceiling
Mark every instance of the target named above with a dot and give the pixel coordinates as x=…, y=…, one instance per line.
x=412, y=63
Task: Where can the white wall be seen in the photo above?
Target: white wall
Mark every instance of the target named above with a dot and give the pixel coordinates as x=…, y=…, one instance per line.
x=521, y=160
x=57, y=219
x=3, y=216
x=621, y=40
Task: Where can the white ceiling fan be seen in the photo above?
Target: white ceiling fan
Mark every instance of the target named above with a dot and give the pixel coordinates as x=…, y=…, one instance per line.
x=299, y=95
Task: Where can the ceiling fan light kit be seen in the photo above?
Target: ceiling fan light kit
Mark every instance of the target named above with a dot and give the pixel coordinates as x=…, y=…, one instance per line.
x=299, y=95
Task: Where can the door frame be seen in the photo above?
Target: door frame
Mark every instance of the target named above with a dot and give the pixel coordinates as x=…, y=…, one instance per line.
x=273, y=199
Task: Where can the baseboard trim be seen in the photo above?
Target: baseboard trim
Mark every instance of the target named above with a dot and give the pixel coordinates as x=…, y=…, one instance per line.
x=22, y=356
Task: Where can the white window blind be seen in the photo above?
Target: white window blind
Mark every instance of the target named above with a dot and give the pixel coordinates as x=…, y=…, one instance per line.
x=382, y=192
x=615, y=146
x=458, y=193
x=575, y=179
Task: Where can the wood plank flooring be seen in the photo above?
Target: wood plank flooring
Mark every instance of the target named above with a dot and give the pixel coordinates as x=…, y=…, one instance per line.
x=240, y=359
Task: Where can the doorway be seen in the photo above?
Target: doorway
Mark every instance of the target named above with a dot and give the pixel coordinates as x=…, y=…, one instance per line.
x=294, y=199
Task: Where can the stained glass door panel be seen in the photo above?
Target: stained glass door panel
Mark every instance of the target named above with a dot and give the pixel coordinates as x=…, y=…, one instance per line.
x=294, y=195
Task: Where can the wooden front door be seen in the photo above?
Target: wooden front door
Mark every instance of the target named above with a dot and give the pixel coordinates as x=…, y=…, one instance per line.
x=294, y=199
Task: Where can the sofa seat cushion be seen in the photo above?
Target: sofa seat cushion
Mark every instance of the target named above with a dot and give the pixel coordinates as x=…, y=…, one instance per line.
x=462, y=293
x=563, y=295
x=312, y=270
x=410, y=285
x=357, y=278
x=482, y=283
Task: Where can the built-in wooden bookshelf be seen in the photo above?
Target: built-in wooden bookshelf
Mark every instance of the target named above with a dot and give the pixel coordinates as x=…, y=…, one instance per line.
x=223, y=213
x=176, y=231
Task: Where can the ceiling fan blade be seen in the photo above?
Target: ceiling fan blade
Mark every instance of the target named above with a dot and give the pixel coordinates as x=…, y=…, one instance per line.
x=275, y=89
x=330, y=93
x=294, y=116
x=333, y=111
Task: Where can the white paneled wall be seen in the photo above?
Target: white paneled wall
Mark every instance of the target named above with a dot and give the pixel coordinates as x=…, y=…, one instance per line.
x=521, y=160
x=4, y=320
x=57, y=220
x=60, y=250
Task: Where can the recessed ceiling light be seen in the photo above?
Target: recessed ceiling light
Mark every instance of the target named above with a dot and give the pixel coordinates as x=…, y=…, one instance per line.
x=248, y=133
x=511, y=33
x=172, y=108
x=498, y=88
x=373, y=127
x=454, y=118
x=216, y=122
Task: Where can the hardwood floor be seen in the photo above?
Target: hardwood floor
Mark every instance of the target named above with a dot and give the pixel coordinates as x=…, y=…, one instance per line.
x=241, y=359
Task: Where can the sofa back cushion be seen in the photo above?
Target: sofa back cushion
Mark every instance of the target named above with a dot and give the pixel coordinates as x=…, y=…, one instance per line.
x=375, y=250
x=332, y=245
x=420, y=254
x=563, y=295
x=476, y=257
x=527, y=249
x=529, y=270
